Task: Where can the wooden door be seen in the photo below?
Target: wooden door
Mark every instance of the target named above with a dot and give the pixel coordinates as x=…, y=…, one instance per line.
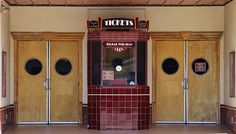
x=169, y=93
x=64, y=99
x=203, y=85
x=31, y=92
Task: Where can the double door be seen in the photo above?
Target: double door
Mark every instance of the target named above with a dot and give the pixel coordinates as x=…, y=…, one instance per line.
x=187, y=84
x=48, y=82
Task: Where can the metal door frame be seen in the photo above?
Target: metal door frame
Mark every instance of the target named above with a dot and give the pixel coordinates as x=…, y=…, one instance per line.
x=48, y=87
x=185, y=82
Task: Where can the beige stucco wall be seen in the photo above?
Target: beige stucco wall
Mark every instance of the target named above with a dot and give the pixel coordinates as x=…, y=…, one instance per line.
x=73, y=19
x=230, y=45
x=186, y=18
x=5, y=46
x=108, y=12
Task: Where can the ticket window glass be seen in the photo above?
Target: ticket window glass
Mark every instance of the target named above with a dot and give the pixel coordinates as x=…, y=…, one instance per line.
x=117, y=66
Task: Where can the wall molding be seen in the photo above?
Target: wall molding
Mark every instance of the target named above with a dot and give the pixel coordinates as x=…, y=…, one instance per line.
x=186, y=35
x=46, y=36
x=6, y=107
x=227, y=106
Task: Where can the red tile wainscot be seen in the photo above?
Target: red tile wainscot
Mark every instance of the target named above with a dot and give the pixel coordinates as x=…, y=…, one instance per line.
x=228, y=117
x=118, y=107
x=7, y=117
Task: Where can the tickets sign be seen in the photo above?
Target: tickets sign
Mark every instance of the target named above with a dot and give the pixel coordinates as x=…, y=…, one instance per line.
x=118, y=22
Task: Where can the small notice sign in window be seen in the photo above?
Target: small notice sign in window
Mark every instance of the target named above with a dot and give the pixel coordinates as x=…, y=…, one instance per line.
x=108, y=75
x=200, y=66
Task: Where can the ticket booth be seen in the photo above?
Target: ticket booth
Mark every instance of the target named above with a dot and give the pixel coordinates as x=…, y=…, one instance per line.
x=118, y=95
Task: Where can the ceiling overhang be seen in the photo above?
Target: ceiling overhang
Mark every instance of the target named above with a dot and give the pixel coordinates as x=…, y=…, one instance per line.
x=118, y=2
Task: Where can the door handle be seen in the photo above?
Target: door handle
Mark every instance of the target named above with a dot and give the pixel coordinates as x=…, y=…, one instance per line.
x=45, y=84
x=185, y=83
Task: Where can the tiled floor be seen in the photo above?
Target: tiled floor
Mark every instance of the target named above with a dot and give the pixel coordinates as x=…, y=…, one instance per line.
x=155, y=129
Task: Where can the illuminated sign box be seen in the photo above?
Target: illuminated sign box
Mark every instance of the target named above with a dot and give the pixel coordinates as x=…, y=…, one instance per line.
x=118, y=23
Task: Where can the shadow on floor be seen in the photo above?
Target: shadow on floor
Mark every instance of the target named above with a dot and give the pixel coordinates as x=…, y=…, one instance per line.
x=155, y=129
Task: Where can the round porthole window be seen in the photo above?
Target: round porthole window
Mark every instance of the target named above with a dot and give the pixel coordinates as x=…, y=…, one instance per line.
x=170, y=66
x=63, y=66
x=33, y=66
x=200, y=66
